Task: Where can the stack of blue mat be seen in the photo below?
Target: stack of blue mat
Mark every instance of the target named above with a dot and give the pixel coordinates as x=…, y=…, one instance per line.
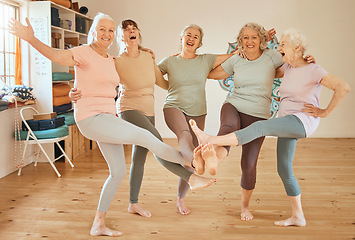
x=44, y=124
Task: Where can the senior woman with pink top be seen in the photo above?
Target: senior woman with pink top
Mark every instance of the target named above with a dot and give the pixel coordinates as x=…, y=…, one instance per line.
x=95, y=112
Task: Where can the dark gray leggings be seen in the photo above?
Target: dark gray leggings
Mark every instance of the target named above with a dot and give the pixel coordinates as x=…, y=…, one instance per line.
x=232, y=120
x=288, y=128
x=139, y=154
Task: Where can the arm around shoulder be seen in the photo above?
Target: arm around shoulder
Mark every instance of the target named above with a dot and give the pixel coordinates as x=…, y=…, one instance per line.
x=221, y=58
x=279, y=72
x=218, y=73
x=159, y=79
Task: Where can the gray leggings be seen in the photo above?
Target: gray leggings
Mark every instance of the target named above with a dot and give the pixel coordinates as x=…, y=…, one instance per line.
x=288, y=129
x=111, y=133
x=139, y=154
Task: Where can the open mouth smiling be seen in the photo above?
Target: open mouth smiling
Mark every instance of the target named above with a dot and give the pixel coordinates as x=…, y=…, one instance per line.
x=133, y=37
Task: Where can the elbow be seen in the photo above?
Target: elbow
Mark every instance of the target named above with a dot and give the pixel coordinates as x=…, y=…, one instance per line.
x=212, y=76
x=345, y=89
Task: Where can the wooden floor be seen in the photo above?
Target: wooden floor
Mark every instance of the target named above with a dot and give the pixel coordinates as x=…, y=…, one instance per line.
x=38, y=205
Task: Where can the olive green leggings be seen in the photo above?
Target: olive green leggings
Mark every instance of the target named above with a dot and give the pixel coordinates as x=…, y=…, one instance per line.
x=139, y=154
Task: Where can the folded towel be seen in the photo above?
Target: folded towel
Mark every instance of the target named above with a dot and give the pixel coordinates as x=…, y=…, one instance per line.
x=61, y=89
x=62, y=108
x=62, y=76
x=58, y=101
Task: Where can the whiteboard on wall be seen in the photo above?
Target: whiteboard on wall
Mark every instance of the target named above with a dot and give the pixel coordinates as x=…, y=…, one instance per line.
x=40, y=62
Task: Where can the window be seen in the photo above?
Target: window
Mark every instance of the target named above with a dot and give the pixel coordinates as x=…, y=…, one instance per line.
x=8, y=10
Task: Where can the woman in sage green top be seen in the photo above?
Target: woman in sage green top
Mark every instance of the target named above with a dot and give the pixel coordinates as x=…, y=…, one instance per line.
x=187, y=73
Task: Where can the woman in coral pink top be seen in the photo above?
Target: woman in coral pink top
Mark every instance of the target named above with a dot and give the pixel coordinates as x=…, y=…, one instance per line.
x=95, y=112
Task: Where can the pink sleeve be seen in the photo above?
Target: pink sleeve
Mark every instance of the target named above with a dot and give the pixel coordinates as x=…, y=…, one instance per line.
x=78, y=54
x=284, y=67
x=318, y=73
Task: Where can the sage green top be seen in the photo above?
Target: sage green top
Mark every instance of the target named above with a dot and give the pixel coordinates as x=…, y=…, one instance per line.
x=253, y=82
x=187, y=80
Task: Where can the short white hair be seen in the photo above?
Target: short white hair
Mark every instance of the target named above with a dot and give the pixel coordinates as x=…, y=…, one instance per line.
x=296, y=38
x=96, y=20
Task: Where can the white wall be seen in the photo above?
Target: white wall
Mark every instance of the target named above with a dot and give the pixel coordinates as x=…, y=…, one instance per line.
x=328, y=24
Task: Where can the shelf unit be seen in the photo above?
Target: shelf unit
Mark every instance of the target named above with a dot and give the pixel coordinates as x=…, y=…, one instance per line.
x=39, y=14
x=41, y=68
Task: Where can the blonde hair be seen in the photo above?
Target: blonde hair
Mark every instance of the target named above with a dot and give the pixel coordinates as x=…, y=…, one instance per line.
x=193, y=26
x=296, y=38
x=97, y=18
x=262, y=33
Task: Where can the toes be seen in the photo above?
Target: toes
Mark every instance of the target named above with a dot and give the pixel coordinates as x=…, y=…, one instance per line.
x=184, y=211
x=197, y=150
x=192, y=123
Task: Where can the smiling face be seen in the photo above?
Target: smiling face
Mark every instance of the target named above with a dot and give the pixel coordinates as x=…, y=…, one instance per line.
x=251, y=40
x=104, y=32
x=287, y=50
x=131, y=35
x=191, y=39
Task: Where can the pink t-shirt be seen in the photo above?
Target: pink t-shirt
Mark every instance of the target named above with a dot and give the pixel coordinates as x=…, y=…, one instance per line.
x=97, y=78
x=301, y=86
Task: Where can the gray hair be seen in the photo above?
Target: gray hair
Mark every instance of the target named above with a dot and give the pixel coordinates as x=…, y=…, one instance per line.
x=296, y=38
x=259, y=29
x=193, y=26
x=96, y=20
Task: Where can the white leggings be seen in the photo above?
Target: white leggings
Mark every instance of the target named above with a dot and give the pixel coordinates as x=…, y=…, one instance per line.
x=111, y=133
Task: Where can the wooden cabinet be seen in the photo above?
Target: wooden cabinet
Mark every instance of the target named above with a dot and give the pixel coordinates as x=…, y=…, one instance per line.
x=76, y=143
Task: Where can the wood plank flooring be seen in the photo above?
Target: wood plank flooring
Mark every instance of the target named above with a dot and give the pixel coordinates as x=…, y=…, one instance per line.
x=38, y=205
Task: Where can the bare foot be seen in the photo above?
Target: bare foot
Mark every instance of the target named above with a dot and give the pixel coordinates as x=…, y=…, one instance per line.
x=292, y=221
x=134, y=208
x=97, y=230
x=246, y=215
x=180, y=204
x=202, y=137
x=198, y=161
x=210, y=157
x=197, y=182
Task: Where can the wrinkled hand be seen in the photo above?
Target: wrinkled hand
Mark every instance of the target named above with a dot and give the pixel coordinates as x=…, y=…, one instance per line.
x=241, y=52
x=311, y=110
x=18, y=29
x=310, y=59
x=270, y=34
x=75, y=94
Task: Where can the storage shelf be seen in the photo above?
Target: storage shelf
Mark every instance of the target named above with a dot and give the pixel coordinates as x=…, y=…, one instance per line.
x=64, y=9
x=68, y=31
